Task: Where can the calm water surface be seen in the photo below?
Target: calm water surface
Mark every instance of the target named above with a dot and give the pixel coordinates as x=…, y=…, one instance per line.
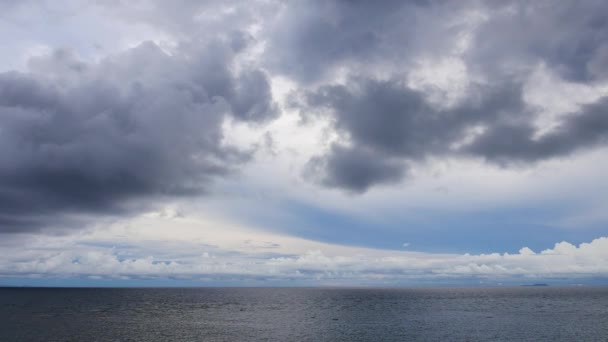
x=305, y=314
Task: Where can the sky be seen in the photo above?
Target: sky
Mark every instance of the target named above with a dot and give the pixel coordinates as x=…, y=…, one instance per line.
x=303, y=143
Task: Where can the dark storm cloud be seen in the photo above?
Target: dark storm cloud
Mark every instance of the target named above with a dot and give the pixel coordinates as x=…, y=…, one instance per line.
x=78, y=138
x=569, y=36
x=385, y=125
x=505, y=143
x=311, y=38
x=250, y=100
x=395, y=119
x=387, y=121
x=355, y=169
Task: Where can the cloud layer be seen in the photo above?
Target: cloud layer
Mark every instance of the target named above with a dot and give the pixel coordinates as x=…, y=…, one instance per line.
x=480, y=123
x=86, y=136
x=119, y=253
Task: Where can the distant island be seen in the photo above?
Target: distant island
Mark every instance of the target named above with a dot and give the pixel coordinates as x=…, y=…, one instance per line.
x=531, y=285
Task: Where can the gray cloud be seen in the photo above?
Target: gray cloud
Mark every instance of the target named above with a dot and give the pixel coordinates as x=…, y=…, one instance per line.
x=355, y=169
x=386, y=124
x=569, y=36
x=78, y=138
x=309, y=39
x=516, y=142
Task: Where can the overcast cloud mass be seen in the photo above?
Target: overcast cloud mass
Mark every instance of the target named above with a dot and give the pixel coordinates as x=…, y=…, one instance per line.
x=303, y=142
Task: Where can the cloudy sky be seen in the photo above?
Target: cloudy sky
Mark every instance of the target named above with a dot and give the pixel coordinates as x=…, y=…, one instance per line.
x=280, y=142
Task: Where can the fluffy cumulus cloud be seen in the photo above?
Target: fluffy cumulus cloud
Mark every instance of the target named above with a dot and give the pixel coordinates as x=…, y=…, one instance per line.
x=110, y=109
x=88, y=137
x=117, y=252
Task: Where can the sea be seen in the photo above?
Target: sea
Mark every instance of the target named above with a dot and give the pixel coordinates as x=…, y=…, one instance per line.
x=305, y=314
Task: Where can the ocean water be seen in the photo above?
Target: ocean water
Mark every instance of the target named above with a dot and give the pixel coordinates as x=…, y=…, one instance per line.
x=305, y=314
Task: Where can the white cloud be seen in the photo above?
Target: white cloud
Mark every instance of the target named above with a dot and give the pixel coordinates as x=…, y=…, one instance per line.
x=213, y=250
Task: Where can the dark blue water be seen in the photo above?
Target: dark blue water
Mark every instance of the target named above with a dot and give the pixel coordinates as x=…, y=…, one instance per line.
x=305, y=314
